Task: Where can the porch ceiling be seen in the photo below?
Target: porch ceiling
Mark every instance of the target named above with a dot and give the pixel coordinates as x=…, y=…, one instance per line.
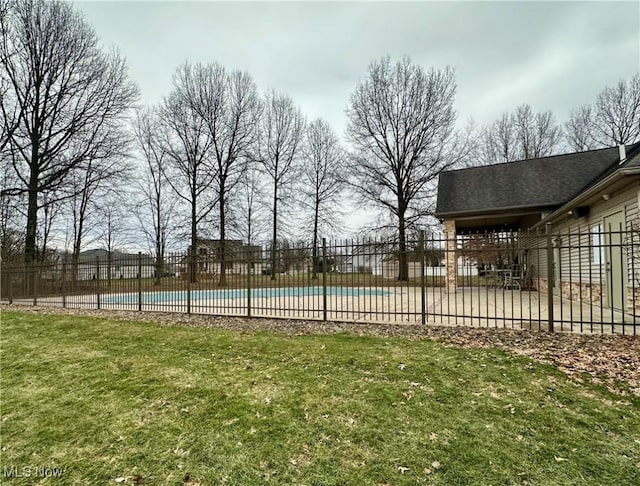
x=497, y=222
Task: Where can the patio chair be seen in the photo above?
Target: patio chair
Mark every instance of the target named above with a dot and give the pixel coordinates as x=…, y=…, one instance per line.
x=513, y=278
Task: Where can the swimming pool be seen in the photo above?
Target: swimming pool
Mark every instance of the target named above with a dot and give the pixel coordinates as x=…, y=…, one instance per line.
x=222, y=294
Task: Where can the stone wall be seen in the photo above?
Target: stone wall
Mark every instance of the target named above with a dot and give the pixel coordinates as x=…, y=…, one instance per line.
x=630, y=298
x=590, y=293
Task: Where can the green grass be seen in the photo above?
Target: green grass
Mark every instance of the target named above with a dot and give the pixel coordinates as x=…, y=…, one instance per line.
x=106, y=399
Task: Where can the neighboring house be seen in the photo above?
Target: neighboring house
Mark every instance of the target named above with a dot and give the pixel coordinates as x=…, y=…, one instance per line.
x=381, y=259
x=237, y=257
x=94, y=264
x=588, y=201
x=363, y=258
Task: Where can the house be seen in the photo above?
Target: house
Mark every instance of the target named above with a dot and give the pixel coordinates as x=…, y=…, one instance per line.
x=238, y=257
x=363, y=258
x=96, y=263
x=584, y=203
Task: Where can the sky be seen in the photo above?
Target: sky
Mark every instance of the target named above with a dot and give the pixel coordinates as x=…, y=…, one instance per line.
x=553, y=55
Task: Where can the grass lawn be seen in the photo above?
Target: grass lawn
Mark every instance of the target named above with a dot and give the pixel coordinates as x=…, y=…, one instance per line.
x=109, y=401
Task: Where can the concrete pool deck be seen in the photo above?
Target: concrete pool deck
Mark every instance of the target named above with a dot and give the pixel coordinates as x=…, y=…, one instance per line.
x=471, y=306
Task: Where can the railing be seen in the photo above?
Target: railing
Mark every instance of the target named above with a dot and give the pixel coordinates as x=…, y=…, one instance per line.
x=500, y=279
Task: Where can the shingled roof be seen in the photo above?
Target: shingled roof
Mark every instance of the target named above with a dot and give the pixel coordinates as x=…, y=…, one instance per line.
x=542, y=183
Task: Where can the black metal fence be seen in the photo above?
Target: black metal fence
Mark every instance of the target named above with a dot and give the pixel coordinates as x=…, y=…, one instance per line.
x=584, y=280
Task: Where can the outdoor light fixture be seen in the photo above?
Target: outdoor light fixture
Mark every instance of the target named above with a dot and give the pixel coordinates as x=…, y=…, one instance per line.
x=606, y=197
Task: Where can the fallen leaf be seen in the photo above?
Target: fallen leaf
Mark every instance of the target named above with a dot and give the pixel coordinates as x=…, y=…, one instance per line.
x=435, y=464
x=433, y=436
x=427, y=471
x=402, y=366
x=560, y=459
x=402, y=469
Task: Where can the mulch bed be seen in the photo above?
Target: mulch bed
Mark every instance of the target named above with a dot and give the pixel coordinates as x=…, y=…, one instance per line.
x=613, y=360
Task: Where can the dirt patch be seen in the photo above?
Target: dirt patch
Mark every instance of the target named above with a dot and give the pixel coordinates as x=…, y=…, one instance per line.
x=610, y=359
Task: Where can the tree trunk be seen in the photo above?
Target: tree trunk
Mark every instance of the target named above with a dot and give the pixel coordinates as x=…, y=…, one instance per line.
x=403, y=270
x=159, y=266
x=222, y=245
x=159, y=259
x=192, y=265
x=109, y=263
x=314, y=246
x=159, y=239
x=30, y=251
x=275, y=232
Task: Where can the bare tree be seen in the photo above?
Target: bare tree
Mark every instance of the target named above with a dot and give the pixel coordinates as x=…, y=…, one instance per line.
x=229, y=105
x=10, y=110
x=112, y=225
x=11, y=222
x=249, y=220
x=613, y=119
x=282, y=130
x=578, y=129
x=401, y=123
x=537, y=134
x=52, y=207
x=522, y=134
x=65, y=91
x=498, y=141
x=322, y=181
x=104, y=166
x=82, y=184
x=154, y=209
x=188, y=144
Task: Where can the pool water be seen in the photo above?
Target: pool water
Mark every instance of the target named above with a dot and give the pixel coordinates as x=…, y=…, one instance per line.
x=263, y=293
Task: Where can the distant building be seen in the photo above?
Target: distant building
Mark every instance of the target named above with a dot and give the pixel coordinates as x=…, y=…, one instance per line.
x=94, y=264
x=363, y=258
x=238, y=257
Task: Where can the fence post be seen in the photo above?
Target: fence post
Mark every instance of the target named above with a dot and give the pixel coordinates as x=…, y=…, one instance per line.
x=249, y=270
x=190, y=271
x=64, y=278
x=98, y=281
x=550, y=277
x=139, y=281
x=324, y=279
x=423, y=300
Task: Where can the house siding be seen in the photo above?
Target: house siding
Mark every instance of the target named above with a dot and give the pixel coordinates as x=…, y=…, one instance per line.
x=581, y=272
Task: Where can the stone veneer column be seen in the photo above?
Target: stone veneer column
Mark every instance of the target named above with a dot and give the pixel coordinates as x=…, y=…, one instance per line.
x=451, y=266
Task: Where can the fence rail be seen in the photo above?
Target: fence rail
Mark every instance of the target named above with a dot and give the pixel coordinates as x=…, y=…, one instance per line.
x=583, y=281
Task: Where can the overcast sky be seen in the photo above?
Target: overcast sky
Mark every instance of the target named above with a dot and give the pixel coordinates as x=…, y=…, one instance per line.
x=555, y=56
x=551, y=55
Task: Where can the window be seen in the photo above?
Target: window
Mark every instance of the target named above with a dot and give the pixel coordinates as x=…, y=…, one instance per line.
x=597, y=245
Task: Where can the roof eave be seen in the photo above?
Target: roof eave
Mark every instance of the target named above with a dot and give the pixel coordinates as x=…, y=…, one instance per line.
x=485, y=212
x=589, y=192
